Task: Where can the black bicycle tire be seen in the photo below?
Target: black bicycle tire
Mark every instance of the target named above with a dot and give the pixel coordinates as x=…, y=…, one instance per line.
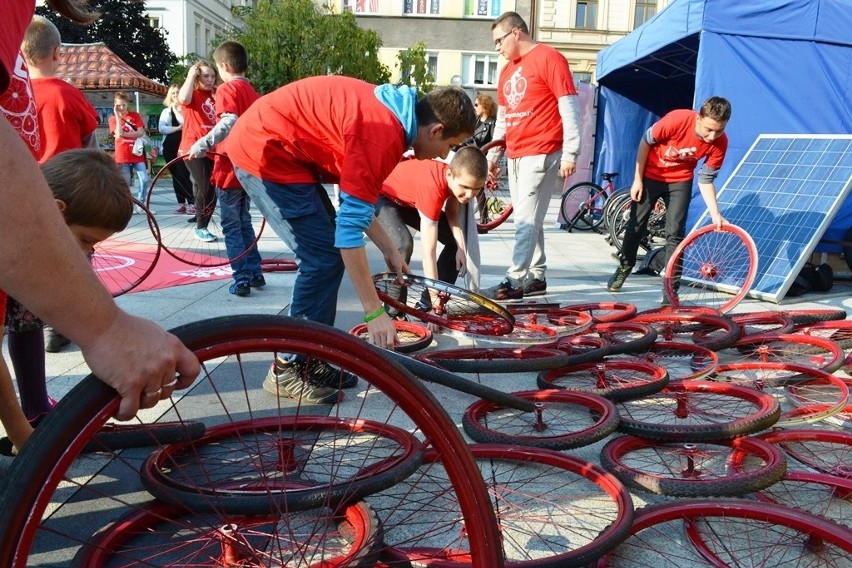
x=809, y=316
x=497, y=359
x=81, y=412
x=616, y=393
x=112, y=437
x=739, y=484
x=767, y=413
x=647, y=337
x=600, y=409
x=613, y=203
x=577, y=220
x=266, y=500
x=686, y=319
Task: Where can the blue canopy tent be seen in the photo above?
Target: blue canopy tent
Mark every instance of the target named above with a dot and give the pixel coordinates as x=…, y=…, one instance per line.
x=785, y=65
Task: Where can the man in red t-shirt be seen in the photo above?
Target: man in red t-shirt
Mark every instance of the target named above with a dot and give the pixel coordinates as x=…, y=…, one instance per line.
x=425, y=195
x=538, y=116
x=66, y=119
x=665, y=163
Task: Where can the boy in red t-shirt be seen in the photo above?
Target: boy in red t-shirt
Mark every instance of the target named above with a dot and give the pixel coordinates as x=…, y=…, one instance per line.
x=665, y=164
x=232, y=99
x=425, y=195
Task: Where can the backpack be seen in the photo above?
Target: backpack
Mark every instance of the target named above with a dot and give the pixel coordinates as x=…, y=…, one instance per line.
x=653, y=263
x=812, y=278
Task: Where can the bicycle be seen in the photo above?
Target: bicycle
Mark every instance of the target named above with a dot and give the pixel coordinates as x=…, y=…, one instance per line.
x=584, y=203
x=494, y=204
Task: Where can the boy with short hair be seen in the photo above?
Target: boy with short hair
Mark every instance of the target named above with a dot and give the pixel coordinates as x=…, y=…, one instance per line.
x=232, y=98
x=425, y=195
x=95, y=201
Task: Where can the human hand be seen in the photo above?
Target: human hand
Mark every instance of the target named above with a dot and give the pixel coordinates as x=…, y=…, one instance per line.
x=637, y=190
x=566, y=168
x=196, y=151
x=718, y=220
x=461, y=262
x=141, y=361
x=382, y=332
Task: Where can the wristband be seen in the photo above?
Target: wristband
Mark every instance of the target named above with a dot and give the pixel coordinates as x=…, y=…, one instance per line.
x=371, y=316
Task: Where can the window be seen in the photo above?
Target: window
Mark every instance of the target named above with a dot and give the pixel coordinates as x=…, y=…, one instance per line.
x=422, y=7
x=153, y=21
x=490, y=8
x=587, y=15
x=362, y=6
x=431, y=67
x=645, y=9
x=582, y=77
x=480, y=70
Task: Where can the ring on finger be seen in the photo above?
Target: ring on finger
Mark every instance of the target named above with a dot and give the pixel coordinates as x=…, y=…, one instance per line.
x=170, y=385
x=156, y=393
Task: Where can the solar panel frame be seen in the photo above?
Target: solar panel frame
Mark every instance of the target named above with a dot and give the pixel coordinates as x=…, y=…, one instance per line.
x=785, y=193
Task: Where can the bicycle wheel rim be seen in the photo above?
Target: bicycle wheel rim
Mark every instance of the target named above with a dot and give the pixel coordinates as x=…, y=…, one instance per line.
x=39, y=468
x=501, y=209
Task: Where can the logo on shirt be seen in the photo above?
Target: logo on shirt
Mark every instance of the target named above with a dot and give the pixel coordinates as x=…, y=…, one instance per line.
x=209, y=109
x=18, y=106
x=515, y=88
x=675, y=156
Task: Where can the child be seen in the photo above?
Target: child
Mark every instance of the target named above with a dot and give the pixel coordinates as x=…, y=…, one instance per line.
x=95, y=201
x=232, y=99
x=199, y=116
x=418, y=194
x=127, y=125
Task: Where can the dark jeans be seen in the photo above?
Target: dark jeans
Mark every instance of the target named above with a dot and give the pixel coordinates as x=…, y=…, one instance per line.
x=303, y=217
x=395, y=220
x=676, y=196
x=234, y=209
x=202, y=190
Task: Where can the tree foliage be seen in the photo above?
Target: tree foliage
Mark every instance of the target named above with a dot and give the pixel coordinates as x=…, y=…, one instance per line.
x=293, y=39
x=125, y=30
x=414, y=68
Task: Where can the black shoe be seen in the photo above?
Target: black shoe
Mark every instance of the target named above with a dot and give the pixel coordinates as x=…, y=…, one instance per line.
x=294, y=380
x=505, y=290
x=535, y=287
x=322, y=374
x=617, y=280
x=257, y=281
x=55, y=341
x=240, y=288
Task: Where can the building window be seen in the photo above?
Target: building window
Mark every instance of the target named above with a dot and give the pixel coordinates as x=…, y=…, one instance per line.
x=431, y=67
x=362, y=6
x=587, y=15
x=153, y=21
x=582, y=77
x=479, y=70
x=490, y=8
x=424, y=7
x=645, y=10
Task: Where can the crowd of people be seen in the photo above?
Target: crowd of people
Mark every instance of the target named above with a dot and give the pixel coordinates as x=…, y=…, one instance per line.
x=276, y=151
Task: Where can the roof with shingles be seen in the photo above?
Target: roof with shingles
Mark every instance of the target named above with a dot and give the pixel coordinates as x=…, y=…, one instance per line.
x=95, y=67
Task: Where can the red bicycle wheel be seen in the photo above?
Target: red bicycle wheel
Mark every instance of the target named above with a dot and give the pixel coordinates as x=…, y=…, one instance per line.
x=236, y=353
x=553, y=510
x=710, y=331
x=824, y=451
x=125, y=260
x=440, y=303
x=825, y=495
x=601, y=312
x=695, y=469
x=410, y=336
x=698, y=411
x=614, y=379
x=683, y=361
x=625, y=336
x=744, y=533
x=159, y=534
x=177, y=236
x=712, y=267
x=498, y=200
x=762, y=323
x=561, y=420
x=278, y=264
x=800, y=349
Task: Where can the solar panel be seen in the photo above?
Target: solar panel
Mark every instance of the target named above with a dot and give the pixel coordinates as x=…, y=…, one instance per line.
x=785, y=193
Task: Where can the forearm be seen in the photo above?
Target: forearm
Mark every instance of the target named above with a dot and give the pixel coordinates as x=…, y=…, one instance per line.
x=708, y=193
x=641, y=160
x=81, y=307
x=355, y=260
x=217, y=134
x=429, y=248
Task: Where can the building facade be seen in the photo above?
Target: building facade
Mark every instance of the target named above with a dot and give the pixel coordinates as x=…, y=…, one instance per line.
x=192, y=26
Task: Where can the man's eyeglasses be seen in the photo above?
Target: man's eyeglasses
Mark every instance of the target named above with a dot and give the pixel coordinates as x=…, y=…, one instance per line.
x=499, y=42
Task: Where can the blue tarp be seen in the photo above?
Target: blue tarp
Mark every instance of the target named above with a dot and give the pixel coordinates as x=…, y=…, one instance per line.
x=785, y=65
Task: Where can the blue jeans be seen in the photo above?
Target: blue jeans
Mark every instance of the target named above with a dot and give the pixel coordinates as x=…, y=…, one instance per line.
x=234, y=209
x=303, y=217
x=141, y=170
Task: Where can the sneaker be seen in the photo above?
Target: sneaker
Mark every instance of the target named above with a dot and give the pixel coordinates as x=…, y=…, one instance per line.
x=293, y=381
x=240, y=288
x=257, y=281
x=617, y=280
x=55, y=341
x=322, y=374
x=505, y=290
x=191, y=219
x=181, y=209
x=535, y=287
x=190, y=210
x=205, y=235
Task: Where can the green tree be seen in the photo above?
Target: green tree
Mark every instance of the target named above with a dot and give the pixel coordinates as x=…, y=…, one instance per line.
x=293, y=39
x=414, y=68
x=125, y=30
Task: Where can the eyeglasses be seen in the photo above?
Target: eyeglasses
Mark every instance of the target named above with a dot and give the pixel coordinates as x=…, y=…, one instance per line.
x=499, y=42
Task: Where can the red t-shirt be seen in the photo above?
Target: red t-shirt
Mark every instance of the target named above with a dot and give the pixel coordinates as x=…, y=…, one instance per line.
x=131, y=122
x=18, y=105
x=64, y=116
x=529, y=89
x=199, y=116
x=332, y=127
x=421, y=184
x=678, y=148
x=233, y=97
